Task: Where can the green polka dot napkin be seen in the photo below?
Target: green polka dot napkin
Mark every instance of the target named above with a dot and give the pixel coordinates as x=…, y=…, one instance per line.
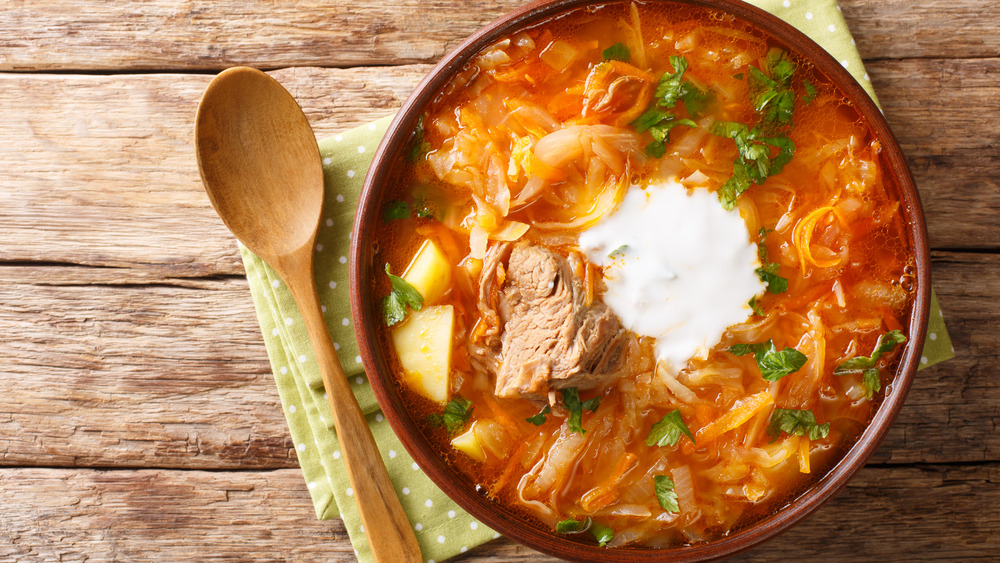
x=441, y=527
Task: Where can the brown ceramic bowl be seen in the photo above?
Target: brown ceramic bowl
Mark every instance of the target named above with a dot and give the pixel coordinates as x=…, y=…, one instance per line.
x=366, y=311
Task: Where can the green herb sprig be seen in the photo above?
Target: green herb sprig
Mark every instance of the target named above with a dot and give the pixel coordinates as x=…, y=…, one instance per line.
x=571, y=398
x=668, y=430
x=796, y=422
x=773, y=364
x=539, y=419
x=867, y=366
x=403, y=295
x=665, y=494
x=456, y=414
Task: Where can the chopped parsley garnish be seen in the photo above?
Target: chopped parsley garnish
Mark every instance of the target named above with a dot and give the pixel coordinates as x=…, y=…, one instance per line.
x=763, y=150
x=419, y=146
x=659, y=123
x=571, y=398
x=456, y=414
x=668, y=90
x=773, y=364
x=695, y=99
x=397, y=209
x=616, y=52
x=402, y=295
x=602, y=533
x=810, y=92
x=868, y=365
x=620, y=251
x=539, y=419
x=738, y=76
x=768, y=273
x=771, y=94
x=571, y=526
x=796, y=422
x=755, y=306
x=424, y=209
x=759, y=157
x=668, y=430
x=665, y=495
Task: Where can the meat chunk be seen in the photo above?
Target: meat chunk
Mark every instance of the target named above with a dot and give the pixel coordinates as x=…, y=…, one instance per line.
x=551, y=338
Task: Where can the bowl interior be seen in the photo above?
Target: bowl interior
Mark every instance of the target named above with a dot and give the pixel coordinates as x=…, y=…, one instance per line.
x=385, y=166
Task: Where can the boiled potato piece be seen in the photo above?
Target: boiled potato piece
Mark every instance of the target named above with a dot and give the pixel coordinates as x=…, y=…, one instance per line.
x=469, y=444
x=429, y=272
x=423, y=345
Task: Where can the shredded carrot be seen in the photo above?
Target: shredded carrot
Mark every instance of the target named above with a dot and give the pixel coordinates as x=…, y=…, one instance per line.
x=512, y=463
x=804, y=454
x=736, y=417
x=603, y=495
x=802, y=236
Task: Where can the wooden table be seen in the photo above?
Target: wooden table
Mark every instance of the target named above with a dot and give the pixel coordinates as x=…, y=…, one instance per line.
x=139, y=419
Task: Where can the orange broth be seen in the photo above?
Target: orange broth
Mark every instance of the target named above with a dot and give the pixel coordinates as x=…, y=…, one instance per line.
x=834, y=230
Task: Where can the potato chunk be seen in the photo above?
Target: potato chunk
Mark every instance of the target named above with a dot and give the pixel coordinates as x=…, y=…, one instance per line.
x=429, y=272
x=469, y=444
x=423, y=345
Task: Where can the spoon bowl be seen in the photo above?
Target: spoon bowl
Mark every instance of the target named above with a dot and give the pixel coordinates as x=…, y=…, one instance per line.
x=260, y=165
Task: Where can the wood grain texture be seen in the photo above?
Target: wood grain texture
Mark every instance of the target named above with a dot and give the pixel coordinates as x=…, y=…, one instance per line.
x=206, y=35
x=102, y=169
x=930, y=513
x=179, y=366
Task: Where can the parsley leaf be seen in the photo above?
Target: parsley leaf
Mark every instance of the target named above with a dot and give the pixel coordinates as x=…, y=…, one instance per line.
x=620, y=251
x=810, y=92
x=796, y=422
x=424, y=209
x=872, y=381
x=571, y=526
x=539, y=419
x=755, y=306
x=668, y=430
x=771, y=94
x=773, y=364
x=867, y=366
x=695, y=99
x=658, y=123
x=668, y=90
x=665, y=495
x=571, y=398
x=768, y=273
x=456, y=414
x=402, y=295
x=757, y=158
x=396, y=209
x=885, y=344
x=419, y=146
x=616, y=52
x=602, y=533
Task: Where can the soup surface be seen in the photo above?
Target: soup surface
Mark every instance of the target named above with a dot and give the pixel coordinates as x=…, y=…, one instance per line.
x=646, y=278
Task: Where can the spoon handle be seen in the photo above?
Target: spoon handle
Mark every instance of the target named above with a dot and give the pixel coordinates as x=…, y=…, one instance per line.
x=386, y=527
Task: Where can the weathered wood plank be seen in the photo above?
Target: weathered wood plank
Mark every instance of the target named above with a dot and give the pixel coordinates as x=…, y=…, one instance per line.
x=937, y=513
x=101, y=169
x=159, y=34
x=103, y=369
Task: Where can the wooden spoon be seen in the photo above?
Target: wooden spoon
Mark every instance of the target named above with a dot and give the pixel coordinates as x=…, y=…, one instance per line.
x=261, y=168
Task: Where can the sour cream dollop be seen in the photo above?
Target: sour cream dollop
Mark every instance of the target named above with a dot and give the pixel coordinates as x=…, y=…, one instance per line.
x=678, y=268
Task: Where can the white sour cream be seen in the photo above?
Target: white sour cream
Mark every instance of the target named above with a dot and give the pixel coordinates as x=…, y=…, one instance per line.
x=678, y=268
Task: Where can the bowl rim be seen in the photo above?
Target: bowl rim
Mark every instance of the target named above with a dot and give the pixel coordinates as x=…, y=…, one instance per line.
x=456, y=485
